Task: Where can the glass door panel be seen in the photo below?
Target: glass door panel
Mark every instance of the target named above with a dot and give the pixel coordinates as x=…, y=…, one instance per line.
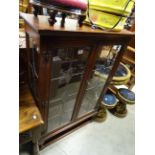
x=68, y=65
x=98, y=78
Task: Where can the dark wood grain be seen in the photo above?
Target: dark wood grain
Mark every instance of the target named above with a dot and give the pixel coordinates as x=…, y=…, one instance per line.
x=68, y=126
x=47, y=38
x=41, y=25
x=83, y=86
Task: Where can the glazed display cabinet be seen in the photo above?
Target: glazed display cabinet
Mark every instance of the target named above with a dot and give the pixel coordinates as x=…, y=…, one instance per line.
x=61, y=71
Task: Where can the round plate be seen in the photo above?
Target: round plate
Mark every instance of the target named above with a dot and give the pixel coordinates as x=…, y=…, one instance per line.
x=109, y=101
x=122, y=74
x=126, y=96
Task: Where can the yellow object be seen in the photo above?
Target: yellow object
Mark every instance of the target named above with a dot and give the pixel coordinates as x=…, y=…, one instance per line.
x=107, y=13
x=21, y=22
x=105, y=20
x=23, y=5
x=112, y=6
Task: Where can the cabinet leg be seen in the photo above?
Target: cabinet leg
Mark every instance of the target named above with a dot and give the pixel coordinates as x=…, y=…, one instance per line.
x=36, y=134
x=37, y=10
x=63, y=19
x=36, y=148
x=52, y=19
x=81, y=19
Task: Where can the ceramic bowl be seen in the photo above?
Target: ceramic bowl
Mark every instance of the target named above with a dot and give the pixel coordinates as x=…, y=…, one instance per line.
x=109, y=101
x=126, y=96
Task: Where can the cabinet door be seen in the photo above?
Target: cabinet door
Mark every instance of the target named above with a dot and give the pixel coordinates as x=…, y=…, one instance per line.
x=68, y=65
x=97, y=79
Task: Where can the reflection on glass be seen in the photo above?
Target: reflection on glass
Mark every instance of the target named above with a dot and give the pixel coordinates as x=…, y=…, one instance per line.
x=33, y=68
x=97, y=80
x=67, y=70
x=95, y=85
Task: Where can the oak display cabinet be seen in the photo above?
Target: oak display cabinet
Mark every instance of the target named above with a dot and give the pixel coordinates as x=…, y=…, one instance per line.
x=61, y=67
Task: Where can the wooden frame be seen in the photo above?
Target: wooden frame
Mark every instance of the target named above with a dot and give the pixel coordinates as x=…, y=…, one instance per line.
x=45, y=38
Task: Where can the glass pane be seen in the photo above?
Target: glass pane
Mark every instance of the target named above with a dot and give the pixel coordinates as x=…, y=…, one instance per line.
x=33, y=69
x=98, y=78
x=68, y=66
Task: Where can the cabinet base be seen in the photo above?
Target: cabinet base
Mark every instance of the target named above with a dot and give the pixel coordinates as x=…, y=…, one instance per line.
x=64, y=131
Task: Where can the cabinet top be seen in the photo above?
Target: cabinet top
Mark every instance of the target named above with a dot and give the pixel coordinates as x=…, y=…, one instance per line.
x=40, y=24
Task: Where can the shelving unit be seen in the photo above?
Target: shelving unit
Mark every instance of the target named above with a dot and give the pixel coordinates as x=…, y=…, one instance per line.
x=61, y=71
